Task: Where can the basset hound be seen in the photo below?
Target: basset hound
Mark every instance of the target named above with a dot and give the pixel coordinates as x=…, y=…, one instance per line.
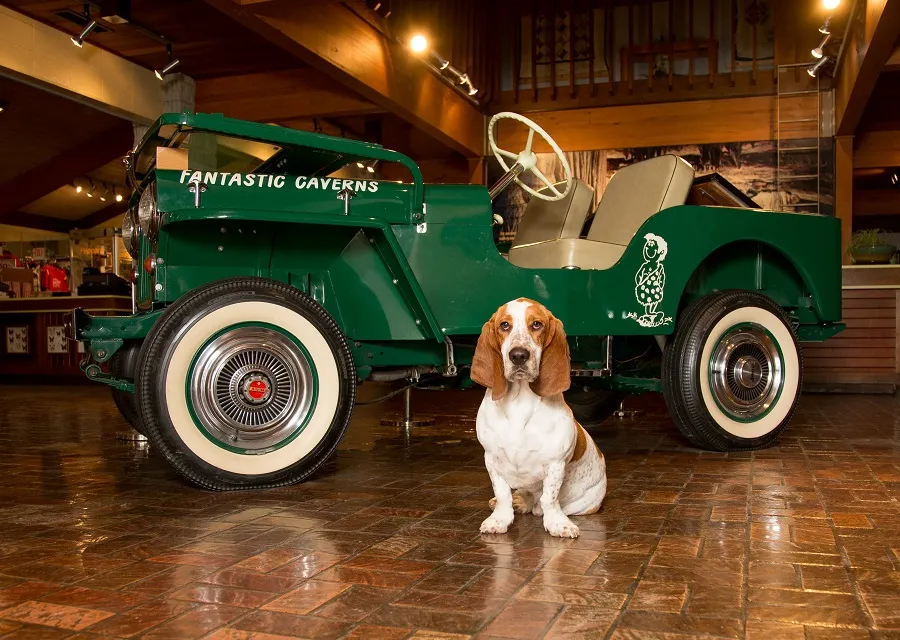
x=532, y=442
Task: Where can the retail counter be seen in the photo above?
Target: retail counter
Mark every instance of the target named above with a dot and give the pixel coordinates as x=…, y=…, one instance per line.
x=864, y=358
x=33, y=333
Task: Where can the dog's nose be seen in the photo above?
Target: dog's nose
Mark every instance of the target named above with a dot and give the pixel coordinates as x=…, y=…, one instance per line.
x=518, y=356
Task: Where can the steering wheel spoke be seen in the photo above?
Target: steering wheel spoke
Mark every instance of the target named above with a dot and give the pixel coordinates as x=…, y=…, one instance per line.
x=540, y=176
x=533, y=128
x=530, y=141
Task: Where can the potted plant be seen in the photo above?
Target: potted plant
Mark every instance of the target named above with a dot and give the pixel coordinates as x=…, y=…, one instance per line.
x=868, y=246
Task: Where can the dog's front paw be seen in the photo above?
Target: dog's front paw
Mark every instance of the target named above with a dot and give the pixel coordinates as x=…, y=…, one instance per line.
x=561, y=527
x=495, y=524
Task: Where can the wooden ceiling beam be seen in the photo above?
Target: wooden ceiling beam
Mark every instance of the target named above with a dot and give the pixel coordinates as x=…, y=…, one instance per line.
x=35, y=221
x=280, y=95
x=876, y=202
x=75, y=162
x=335, y=40
x=893, y=63
x=875, y=149
x=99, y=217
x=865, y=57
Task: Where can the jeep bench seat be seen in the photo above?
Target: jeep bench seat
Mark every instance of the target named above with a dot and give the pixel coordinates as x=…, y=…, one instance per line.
x=633, y=194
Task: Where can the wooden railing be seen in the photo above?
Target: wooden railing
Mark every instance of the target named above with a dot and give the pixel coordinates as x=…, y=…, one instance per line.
x=556, y=54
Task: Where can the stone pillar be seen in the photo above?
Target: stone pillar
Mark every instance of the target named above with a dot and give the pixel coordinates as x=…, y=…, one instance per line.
x=178, y=95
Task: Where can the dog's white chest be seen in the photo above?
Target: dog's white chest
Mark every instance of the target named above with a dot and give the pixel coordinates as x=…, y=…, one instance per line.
x=522, y=437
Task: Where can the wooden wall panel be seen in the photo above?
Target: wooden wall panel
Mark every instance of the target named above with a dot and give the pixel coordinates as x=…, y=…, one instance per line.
x=866, y=352
x=696, y=122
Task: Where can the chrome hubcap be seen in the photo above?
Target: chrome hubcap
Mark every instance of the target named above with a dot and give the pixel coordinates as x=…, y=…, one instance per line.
x=747, y=372
x=251, y=388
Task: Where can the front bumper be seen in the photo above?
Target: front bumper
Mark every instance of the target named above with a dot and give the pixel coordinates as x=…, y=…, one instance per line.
x=103, y=336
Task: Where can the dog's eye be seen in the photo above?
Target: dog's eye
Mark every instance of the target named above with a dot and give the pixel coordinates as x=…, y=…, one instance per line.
x=504, y=326
x=537, y=324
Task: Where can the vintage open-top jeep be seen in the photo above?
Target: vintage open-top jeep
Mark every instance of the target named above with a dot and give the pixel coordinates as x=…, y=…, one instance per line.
x=270, y=282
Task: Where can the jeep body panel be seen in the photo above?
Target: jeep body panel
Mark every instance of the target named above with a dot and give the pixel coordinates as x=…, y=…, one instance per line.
x=403, y=266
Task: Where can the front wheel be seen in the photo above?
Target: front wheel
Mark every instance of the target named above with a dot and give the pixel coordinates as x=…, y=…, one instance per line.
x=732, y=375
x=122, y=365
x=246, y=383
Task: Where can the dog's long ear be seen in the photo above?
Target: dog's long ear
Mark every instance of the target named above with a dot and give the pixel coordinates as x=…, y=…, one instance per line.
x=556, y=368
x=487, y=363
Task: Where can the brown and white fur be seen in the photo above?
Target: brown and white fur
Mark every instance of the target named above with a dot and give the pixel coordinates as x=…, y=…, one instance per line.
x=532, y=442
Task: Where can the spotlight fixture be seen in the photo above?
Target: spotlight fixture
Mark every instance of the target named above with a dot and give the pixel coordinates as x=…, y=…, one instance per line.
x=825, y=29
x=819, y=51
x=831, y=5
x=380, y=7
x=119, y=197
x=104, y=193
x=418, y=43
x=894, y=178
x=161, y=73
x=814, y=69
x=90, y=192
x=3, y=106
x=360, y=165
x=78, y=187
x=371, y=168
x=79, y=39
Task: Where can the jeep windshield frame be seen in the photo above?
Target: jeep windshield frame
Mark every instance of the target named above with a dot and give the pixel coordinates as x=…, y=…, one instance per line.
x=315, y=153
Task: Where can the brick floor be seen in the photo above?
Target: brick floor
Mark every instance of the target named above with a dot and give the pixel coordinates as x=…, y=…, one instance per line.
x=99, y=539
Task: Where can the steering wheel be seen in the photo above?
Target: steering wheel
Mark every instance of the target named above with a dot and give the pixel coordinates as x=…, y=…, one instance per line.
x=528, y=159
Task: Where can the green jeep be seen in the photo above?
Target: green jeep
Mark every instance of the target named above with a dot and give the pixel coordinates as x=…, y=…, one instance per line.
x=270, y=282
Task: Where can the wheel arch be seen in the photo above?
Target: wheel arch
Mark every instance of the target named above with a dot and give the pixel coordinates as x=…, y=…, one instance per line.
x=758, y=266
x=353, y=267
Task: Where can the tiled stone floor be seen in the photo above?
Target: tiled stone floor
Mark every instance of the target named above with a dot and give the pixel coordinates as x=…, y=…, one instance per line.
x=99, y=539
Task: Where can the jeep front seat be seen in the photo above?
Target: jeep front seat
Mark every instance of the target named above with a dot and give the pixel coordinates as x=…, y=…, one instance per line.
x=543, y=221
x=633, y=194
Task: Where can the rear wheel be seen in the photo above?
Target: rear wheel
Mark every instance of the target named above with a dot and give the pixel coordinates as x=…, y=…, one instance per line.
x=732, y=375
x=123, y=365
x=591, y=406
x=246, y=383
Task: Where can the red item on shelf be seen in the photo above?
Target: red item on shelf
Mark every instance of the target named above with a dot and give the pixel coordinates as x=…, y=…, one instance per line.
x=54, y=279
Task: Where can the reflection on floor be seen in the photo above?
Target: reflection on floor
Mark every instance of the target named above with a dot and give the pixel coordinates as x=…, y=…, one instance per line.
x=98, y=538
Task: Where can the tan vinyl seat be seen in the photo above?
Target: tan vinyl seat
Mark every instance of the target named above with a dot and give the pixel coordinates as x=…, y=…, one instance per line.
x=545, y=221
x=634, y=193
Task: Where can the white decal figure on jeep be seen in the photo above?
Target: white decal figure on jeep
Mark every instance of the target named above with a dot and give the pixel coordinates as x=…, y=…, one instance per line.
x=650, y=282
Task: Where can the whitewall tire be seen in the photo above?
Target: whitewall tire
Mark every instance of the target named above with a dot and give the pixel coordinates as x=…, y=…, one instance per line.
x=246, y=383
x=733, y=373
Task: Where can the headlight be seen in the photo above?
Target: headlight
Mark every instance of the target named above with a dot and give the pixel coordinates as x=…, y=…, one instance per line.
x=129, y=234
x=147, y=214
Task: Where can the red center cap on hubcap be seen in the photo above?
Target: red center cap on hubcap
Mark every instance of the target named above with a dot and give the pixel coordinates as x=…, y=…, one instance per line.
x=257, y=389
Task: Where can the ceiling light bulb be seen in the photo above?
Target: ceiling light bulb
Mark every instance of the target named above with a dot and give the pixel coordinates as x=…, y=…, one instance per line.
x=118, y=197
x=79, y=39
x=370, y=169
x=161, y=73
x=78, y=188
x=418, y=43
x=831, y=4
x=3, y=106
x=90, y=195
x=360, y=165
